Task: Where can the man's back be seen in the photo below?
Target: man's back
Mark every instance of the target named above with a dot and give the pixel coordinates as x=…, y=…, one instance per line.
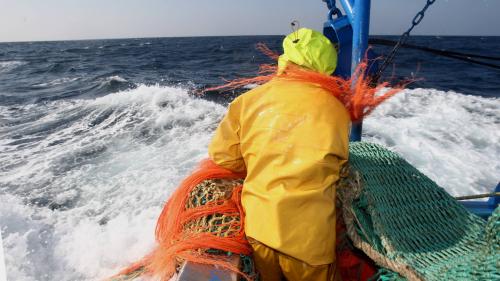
x=292, y=138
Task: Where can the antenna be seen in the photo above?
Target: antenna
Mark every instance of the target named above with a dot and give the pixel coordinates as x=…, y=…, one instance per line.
x=295, y=29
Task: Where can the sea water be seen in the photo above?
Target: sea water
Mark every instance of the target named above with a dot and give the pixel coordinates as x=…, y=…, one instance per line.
x=95, y=136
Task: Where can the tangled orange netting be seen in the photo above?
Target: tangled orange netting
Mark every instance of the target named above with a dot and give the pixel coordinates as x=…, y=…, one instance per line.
x=181, y=236
x=357, y=94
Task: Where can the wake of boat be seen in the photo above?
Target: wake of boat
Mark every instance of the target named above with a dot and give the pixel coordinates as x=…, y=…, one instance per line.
x=83, y=181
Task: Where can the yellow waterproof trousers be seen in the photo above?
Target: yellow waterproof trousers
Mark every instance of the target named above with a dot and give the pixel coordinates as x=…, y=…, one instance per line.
x=275, y=266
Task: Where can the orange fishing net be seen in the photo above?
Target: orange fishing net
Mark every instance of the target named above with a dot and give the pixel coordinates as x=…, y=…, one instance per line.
x=204, y=213
x=357, y=94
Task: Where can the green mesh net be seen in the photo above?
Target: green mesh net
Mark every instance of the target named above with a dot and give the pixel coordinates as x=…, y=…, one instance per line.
x=407, y=223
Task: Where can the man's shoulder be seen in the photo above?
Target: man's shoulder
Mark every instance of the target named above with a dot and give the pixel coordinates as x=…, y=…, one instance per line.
x=253, y=92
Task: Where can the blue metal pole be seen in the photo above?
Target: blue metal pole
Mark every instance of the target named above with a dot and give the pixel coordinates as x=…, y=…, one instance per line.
x=361, y=29
x=347, y=5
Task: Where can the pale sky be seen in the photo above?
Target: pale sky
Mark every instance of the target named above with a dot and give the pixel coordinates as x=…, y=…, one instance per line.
x=33, y=20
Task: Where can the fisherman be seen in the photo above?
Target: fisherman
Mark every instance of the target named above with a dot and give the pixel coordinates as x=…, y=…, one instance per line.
x=291, y=138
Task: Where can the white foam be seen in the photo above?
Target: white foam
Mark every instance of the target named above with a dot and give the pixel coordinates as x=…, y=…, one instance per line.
x=3, y=275
x=6, y=66
x=58, y=81
x=116, y=78
x=107, y=165
x=146, y=140
x=452, y=138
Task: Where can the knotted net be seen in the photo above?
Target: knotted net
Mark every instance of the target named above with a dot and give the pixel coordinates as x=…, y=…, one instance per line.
x=202, y=222
x=405, y=222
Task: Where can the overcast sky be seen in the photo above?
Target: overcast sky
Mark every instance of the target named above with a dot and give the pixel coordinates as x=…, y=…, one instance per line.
x=30, y=20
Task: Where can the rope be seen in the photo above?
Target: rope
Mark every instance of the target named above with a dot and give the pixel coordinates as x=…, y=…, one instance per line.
x=477, y=196
x=467, y=57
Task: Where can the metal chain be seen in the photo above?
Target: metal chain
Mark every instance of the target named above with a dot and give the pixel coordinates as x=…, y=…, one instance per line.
x=402, y=40
x=330, y=3
x=334, y=11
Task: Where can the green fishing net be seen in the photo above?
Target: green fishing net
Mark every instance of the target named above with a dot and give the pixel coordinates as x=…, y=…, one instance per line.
x=408, y=224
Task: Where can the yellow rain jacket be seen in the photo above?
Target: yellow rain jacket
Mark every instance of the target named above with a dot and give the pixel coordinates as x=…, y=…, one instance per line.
x=292, y=139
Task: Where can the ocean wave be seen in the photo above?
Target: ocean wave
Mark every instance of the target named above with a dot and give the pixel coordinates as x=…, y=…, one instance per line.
x=116, y=78
x=103, y=167
x=6, y=66
x=56, y=82
x=450, y=137
x=113, y=84
x=111, y=80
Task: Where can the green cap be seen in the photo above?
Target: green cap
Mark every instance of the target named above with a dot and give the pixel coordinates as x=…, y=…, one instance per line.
x=310, y=49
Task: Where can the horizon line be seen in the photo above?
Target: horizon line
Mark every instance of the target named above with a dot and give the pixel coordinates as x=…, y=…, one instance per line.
x=202, y=36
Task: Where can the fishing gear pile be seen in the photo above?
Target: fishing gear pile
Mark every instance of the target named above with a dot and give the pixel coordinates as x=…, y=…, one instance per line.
x=202, y=222
x=408, y=224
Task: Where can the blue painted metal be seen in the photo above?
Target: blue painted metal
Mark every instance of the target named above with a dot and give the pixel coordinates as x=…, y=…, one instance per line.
x=350, y=33
x=361, y=30
x=356, y=131
x=347, y=5
x=338, y=29
x=483, y=209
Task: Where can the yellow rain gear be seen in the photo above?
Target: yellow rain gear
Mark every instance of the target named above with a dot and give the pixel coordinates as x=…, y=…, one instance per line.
x=274, y=265
x=292, y=139
x=310, y=49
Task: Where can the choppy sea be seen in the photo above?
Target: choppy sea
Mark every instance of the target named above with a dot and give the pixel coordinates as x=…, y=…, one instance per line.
x=95, y=135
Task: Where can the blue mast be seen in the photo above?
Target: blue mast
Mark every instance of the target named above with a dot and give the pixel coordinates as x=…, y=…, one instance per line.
x=350, y=32
x=360, y=29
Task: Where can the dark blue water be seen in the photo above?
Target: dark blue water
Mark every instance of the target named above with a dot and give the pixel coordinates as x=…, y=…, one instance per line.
x=40, y=71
